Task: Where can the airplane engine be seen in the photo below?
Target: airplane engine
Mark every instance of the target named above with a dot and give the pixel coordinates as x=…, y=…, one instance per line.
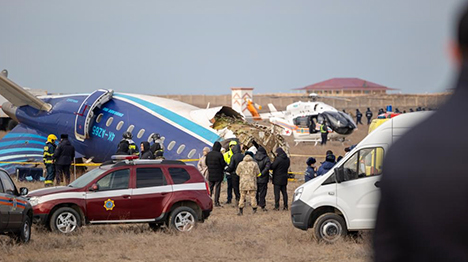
x=339, y=122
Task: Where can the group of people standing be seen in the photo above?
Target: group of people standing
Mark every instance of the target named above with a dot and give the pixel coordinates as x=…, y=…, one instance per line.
x=58, y=159
x=311, y=170
x=148, y=151
x=246, y=173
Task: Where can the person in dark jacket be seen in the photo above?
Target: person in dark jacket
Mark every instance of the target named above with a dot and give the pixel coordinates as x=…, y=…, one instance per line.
x=327, y=165
x=215, y=163
x=423, y=210
x=310, y=171
x=324, y=132
x=123, y=148
x=235, y=159
x=64, y=156
x=264, y=164
x=369, y=115
x=146, y=150
x=358, y=117
x=280, y=169
x=49, y=150
x=157, y=148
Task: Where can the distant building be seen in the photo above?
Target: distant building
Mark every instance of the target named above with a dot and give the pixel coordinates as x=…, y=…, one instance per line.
x=346, y=87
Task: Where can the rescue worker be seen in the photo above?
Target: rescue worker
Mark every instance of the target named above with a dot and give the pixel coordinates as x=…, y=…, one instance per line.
x=157, y=148
x=369, y=116
x=49, y=150
x=122, y=147
x=64, y=156
x=280, y=169
x=327, y=165
x=215, y=162
x=146, y=151
x=132, y=147
x=263, y=177
x=358, y=117
x=227, y=158
x=247, y=171
x=310, y=170
x=324, y=132
x=234, y=161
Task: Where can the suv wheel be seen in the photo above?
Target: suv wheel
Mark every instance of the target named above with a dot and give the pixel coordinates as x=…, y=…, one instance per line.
x=24, y=235
x=65, y=220
x=183, y=219
x=329, y=227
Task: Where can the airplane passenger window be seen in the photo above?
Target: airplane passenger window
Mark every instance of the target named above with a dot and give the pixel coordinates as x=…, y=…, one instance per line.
x=150, y=137
x=171, y=145
x=99, y=118
x=140, y=133
x=119, y=125
x=109, y=121
x=162, y=139
x=191, y=153
x=130, y=128
x=180, y=149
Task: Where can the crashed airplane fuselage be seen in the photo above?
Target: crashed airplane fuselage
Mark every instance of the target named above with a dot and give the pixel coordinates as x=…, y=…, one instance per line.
x=96, y=122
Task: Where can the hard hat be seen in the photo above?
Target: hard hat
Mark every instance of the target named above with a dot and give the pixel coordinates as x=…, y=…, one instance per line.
x=127, y=135
x=51, y=137
x=232, y=143
x=156, y=136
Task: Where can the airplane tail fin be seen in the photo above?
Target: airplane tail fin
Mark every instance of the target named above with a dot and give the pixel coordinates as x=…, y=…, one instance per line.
x=272, y=108
x=18, y=96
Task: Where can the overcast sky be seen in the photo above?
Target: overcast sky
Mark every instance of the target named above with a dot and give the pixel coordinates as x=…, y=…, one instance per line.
x=206, y=47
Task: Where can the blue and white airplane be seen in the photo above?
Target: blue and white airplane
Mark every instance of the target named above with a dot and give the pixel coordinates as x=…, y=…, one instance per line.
x=96, y=122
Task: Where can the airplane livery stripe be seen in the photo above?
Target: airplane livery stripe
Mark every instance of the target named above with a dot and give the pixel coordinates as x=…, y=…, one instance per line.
x=182, y=121
x=14, y=135
x=21, y=142
x=14, y=150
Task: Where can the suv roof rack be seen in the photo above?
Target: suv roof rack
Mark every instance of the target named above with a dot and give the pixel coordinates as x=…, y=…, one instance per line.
x=148, y=161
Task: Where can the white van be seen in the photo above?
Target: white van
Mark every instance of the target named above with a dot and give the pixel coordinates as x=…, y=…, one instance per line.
x=346, y=198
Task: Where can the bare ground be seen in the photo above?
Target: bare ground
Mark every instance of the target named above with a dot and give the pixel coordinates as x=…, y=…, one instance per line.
x=265, y=236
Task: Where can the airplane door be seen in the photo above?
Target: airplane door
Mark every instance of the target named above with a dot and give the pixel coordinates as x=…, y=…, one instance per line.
x=358, y=196
x=85, y=114
x=112, y=200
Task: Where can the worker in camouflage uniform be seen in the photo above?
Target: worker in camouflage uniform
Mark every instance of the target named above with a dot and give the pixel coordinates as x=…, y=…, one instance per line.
x=247, y=170
x=49, y=150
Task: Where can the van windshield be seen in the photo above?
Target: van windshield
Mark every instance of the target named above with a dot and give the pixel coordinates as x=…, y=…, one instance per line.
x=88, y=177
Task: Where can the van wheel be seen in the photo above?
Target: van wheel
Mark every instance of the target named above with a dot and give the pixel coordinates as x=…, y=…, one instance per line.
x=65, y=220
x=24, y=235
x=329, y=228
x=183, y=219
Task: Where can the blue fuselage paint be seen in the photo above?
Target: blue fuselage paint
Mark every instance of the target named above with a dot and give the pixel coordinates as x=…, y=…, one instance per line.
x=104, y=138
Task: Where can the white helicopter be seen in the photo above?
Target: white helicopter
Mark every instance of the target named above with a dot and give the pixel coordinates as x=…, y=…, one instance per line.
x=303, y=120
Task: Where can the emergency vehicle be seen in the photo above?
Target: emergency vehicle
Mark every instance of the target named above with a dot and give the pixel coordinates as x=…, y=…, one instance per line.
x=345, y=199
x=15, y=211
x=158, y=192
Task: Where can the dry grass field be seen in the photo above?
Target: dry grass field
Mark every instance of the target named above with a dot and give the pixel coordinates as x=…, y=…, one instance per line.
x=265, y=236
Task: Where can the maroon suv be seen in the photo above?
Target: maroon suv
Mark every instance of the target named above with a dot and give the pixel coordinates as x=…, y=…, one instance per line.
x=141, y=191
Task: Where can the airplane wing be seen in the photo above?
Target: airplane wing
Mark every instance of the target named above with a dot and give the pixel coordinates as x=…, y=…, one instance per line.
x=22, y=144
x=19, y=96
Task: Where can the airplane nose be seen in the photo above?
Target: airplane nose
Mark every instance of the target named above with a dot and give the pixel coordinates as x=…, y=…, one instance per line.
x=339, y=122
x=10, y=110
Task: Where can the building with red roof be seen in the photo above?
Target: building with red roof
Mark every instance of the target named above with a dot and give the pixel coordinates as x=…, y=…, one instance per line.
x=346, y=87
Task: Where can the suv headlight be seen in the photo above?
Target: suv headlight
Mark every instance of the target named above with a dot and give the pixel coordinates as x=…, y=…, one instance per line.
x=298, y=193
x=34, y=201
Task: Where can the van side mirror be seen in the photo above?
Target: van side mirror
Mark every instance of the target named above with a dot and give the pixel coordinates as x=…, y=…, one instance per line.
x=339, y=174
x=94, y=187
x=24, y=191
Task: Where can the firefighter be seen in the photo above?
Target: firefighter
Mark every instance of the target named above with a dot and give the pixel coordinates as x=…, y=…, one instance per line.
x=49, y=150
x=157, y=148
x=127, y=146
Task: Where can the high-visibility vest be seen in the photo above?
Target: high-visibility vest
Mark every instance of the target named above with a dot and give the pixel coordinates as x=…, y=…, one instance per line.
x=49, y=150
x=323, y=129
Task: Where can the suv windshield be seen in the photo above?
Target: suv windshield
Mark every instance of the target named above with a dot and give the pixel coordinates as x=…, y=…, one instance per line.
x=88, y=177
